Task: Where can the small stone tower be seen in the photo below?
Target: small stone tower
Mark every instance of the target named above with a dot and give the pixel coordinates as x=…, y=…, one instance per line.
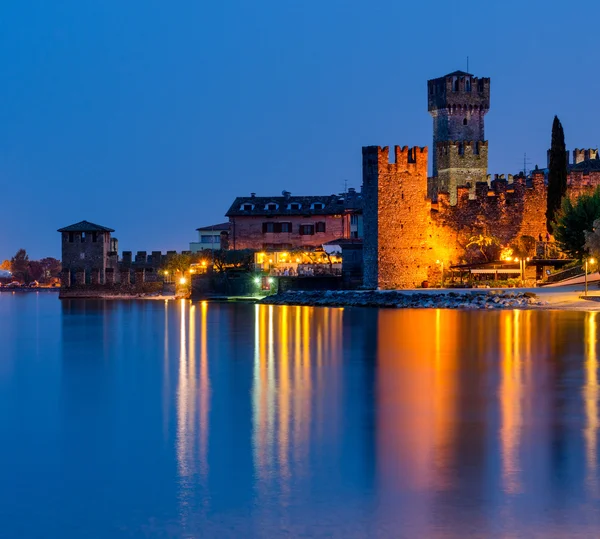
x=458, y=103
x=88, y=253
x=397, y=247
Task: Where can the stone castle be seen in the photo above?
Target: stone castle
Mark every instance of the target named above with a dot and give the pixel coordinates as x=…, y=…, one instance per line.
x=413, y=223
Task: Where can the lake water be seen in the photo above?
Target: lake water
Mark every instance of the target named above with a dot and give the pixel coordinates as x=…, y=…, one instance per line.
x=154, y=419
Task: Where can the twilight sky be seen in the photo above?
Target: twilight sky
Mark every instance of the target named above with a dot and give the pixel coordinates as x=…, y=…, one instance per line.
x=150, y=116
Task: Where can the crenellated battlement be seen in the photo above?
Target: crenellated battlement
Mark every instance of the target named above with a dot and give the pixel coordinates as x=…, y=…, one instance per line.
x=458, y=89
x=509, y=187
x=584, y=154
x=461, y=149
x=403, y=157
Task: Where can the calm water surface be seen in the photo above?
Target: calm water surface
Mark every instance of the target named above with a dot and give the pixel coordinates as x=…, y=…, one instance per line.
x=152, y=419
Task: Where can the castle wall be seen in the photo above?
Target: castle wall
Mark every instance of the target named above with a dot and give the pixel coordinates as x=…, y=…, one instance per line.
x=505, y=208
x=398, y=230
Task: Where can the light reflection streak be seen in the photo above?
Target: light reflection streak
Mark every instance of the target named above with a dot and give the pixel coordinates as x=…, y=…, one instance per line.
x=204, y=390
x=288, y=342
x=590, y=396
x=511, y=396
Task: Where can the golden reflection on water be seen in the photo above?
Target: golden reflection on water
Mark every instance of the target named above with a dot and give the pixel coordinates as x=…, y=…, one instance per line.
x=287, y=395
x=590, y=396
x=416, y=387
x=453, y=393
x=512, y=361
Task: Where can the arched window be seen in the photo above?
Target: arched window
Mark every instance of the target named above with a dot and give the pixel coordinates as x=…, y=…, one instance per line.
x=455, y=84
x=465, y=121
x=467, y=84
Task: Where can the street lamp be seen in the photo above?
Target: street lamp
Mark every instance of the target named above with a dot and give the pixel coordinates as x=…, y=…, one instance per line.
x=442, y=264
x=591, y=261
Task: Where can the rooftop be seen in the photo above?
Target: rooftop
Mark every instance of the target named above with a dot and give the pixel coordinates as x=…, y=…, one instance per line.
x=85, y=226
x=215, y=228
x=292, y=205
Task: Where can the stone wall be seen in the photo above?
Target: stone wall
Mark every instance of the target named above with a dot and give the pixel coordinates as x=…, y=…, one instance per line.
x=460, y=164
x=85, y=252
x=505, y=208
x=398, y=242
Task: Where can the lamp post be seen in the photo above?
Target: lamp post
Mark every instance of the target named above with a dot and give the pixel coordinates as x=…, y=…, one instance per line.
x=441, y=262
x=591, y=261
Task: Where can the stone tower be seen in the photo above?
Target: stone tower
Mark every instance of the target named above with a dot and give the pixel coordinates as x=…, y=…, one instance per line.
x=458, y=103
x=88, y=253
x=397, y=247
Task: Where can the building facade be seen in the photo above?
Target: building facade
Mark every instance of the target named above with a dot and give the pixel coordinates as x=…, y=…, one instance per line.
x=211, y=238
x=292, y=222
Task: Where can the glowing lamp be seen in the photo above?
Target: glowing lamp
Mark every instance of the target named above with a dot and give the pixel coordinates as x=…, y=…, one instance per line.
x=182, y=280
x=256, y=280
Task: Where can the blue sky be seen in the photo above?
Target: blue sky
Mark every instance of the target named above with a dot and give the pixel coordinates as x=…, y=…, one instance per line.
x=151, y=116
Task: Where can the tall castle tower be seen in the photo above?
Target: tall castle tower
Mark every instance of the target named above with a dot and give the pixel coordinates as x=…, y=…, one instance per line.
x=458, y=103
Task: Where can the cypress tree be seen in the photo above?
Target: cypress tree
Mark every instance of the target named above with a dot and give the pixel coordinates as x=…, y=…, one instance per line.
x=557, y=173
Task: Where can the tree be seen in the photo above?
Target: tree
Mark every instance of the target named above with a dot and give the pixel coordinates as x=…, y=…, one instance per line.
x=557, y=174
x=592, y=239
x=574, y=220
x=19, y=265
x=239, y=258
x=177, y=263
x=5, y=265
x=524, y=246
x=51, y=268
x=488, y=246
x=36, y=271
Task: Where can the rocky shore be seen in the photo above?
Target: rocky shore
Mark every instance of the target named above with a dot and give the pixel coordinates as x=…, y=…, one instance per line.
x=480, y=299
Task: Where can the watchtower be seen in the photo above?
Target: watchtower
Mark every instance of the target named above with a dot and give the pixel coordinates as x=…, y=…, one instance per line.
x=458, y=103
x=88, y=251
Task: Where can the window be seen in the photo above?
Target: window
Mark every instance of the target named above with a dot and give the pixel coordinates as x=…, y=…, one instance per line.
x=467, y=84
x=455, y=84
x=276, y=228
x=81, y=256
x=209, y=239
x=83, y=237
x=271, y=206
x=94, y=237
x=247, y=207
x=320, y=226
x=465, y=121
x=71, y=237
x=354, y=218
x=294, y=206
x=307, y=230
x=317, y=206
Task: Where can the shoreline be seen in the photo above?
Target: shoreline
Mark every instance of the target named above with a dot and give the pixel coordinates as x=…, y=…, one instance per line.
x=569, y=298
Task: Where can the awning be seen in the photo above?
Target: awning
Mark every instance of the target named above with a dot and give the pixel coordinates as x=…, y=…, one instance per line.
x=493, y=271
